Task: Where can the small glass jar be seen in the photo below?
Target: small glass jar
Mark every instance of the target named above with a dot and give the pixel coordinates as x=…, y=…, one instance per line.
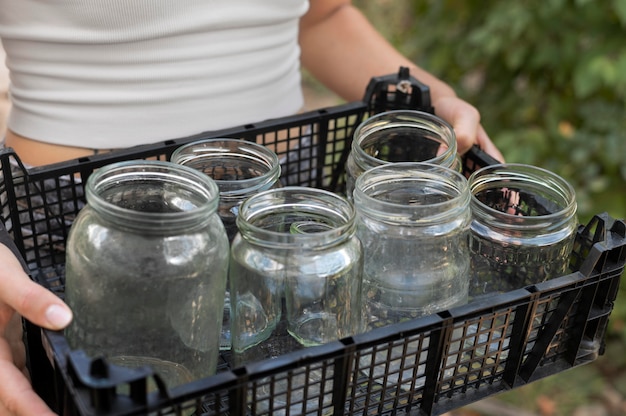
x=413, y=221
x=400, y=136
x=299, y=244
x=523, y=228
x=241, y=169
x=146, y=268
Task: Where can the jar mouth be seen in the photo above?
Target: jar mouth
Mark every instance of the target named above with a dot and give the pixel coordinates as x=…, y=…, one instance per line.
x=149, y=193
x=237, y=166
x=413, y=193
x=296, y=217
x=515, y=193
x=404, y=136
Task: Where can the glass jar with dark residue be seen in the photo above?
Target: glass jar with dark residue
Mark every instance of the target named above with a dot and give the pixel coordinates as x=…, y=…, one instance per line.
x=523, y=227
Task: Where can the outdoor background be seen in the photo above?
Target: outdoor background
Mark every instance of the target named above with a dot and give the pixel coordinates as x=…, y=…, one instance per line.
x=549, y=78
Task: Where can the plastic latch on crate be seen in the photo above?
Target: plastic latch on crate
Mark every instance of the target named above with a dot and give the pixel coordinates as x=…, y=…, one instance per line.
x=602, y=234
x=103, y=379
x=407, y=93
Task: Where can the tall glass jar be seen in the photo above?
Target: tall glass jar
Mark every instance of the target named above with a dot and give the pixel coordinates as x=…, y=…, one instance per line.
x=400, y=136
x=523, y=227
x=240, y=169
x=146, y=268
x=413, y=221
x=299, y=244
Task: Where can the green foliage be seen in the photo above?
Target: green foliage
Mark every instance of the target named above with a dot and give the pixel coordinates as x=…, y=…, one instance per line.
x=548, y=76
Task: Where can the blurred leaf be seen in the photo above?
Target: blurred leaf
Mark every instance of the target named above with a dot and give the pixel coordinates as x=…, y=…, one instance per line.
x=619, y=6
x=586, y=81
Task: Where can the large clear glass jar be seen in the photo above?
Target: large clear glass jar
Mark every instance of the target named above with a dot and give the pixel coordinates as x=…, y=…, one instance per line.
x=523, y=227
x=413, y=221
x=400, y=136
x=296, y=244
x=240, y=169
x=146, y=269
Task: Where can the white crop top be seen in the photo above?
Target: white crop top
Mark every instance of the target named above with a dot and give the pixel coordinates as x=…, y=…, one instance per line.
x=116, y=73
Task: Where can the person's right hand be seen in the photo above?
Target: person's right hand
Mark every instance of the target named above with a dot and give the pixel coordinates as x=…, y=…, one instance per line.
x=20, y=296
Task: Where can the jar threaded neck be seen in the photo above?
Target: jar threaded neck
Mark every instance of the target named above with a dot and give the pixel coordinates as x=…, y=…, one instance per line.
x=152, y=196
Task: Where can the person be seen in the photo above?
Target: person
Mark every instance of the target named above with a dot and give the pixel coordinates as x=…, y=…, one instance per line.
x=4, y=92
x=93, y=75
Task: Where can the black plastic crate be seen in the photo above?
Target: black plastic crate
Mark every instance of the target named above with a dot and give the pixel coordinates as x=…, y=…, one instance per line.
x=426, y=366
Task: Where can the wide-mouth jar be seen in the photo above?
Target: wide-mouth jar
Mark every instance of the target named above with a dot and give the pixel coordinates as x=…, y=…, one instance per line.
x=400, y=136
x=523, y=226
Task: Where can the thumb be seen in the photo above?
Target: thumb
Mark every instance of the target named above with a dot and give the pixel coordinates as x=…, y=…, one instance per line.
x=485, y=143
x=31, y=300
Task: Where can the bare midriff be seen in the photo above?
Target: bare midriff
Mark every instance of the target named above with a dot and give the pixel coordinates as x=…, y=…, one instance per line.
x=37, y=153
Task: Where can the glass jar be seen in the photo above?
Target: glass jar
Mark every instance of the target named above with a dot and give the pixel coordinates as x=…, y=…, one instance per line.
x=240, y=169
x=413, y=221
x=146, y=268
x=400, y=136
x=523, y=228
x=299, y=244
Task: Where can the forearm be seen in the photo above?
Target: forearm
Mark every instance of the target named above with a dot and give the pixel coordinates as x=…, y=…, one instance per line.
x=344, y=51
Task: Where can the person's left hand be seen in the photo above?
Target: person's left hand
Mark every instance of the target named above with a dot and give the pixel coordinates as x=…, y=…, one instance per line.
x=20, y=296
x=465, y=119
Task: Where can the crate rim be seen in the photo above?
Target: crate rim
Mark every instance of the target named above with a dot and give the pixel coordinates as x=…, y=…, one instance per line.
x=594, y=269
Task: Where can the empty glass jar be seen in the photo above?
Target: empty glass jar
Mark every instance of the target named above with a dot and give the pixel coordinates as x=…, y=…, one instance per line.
x=523, y=227
x=241, y=169
x=413, y=221
x=296, y=244
x=400, y=136
x=147, y=262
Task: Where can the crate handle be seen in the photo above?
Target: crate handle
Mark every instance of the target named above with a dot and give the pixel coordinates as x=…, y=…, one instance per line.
x=604, y=236
x=409, y=93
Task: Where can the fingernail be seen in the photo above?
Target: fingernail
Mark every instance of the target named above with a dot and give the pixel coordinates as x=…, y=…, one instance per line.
x=58, y=316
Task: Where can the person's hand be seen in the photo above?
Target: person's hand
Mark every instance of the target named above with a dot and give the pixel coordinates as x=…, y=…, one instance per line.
x=19, y=296
x=465, y=119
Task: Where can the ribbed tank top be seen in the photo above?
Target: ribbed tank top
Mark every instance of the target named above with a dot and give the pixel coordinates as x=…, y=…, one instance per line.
x=116, y=73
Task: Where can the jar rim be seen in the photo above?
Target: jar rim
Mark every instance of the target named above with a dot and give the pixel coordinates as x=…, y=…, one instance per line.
x=448, y=182
x=316, y=203
x=402, y=117
x=522, y=176
x=158, y=172
x=189, y=152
